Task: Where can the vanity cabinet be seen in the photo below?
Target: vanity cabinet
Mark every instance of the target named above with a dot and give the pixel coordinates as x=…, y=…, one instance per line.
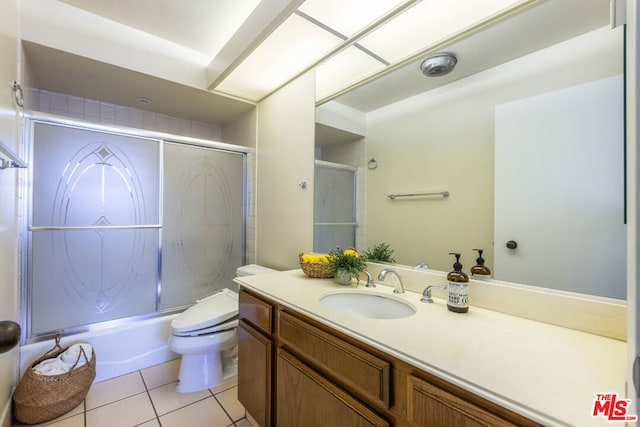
x=322, y=377
x=255, y=357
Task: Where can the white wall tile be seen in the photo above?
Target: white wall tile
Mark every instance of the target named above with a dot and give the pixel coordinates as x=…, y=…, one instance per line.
x=123, y=116
x=107, y=113
x=137, y=118
x=91, y=108
x=58, y=104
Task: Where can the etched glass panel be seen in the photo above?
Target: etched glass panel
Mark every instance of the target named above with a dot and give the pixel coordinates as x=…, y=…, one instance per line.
x=203, y=222
x=334, y=208
x=94, y=235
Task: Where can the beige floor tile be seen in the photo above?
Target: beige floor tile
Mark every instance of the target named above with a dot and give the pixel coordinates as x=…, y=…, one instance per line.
x=225, y=386
x=152, y=423
x=166, y=398
x=205, y=413
x=229, y=401
x=131, y=411
x=114, y=389
x=162, y=374
x=75, y=411
x=245, y=423
x=74, y=421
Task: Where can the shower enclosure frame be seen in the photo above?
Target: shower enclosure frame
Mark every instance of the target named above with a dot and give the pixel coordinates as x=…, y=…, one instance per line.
x=26, y=212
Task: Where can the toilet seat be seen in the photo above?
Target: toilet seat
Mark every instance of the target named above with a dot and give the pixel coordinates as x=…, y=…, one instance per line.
x=212, y=314
x=220, y=327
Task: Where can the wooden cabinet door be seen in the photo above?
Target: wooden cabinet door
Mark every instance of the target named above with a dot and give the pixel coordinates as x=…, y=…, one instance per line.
x=304, y=398
x=428, y=405
x=255, y=356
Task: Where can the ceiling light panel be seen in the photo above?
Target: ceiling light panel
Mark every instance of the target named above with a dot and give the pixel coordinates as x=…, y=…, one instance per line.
x=344, y=69
x=428, y=23
x=347, y=16
x=288, y=51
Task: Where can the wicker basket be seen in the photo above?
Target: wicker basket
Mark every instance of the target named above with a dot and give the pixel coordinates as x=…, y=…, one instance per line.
x=40, y=398
x=318, y=270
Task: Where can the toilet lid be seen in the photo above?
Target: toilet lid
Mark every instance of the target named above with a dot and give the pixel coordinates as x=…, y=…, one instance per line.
x=207, y=312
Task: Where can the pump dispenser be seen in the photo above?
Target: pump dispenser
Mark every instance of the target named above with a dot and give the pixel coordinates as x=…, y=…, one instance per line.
x=458, y=289
x=480, y=271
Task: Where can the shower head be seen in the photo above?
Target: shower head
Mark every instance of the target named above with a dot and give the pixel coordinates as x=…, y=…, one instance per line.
x=438, y=65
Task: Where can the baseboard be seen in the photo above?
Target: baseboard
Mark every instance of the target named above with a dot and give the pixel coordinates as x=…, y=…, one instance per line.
x=5, y=416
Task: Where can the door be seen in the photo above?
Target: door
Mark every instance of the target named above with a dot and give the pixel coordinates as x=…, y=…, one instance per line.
x=559, y=178
x=9, y=221
x=633, y=206
x=254, y=373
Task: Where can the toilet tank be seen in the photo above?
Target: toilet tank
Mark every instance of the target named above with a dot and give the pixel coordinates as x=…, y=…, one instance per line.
x=253, y=269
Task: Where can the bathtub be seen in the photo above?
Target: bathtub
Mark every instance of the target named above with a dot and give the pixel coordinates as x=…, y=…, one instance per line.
x=119, y=350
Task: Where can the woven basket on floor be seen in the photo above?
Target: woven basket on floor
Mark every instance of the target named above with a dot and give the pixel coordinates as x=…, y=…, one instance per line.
x=40, y=398
x=317, y=270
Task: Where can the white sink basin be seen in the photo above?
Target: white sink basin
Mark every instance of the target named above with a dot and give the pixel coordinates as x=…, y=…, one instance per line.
x=367, y=304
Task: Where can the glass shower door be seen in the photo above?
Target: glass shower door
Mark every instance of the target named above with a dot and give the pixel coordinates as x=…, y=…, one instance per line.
x=94, y=230
x=203, y=224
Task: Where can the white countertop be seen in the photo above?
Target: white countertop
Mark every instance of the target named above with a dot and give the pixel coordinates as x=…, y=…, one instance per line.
x=547, y=373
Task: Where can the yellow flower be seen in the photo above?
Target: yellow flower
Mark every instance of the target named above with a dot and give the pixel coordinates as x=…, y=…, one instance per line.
x=314, y=258
x=351, y=252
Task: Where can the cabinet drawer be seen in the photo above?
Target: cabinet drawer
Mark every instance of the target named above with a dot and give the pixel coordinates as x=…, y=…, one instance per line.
x=353, y=367
x=428, y=405
x=306, y=398
x=256, y=311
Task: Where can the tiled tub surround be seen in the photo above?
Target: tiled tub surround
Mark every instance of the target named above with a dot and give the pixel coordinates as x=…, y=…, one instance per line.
x=545, y=372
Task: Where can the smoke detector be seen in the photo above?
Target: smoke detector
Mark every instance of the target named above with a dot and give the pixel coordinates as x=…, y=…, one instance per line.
x=438, y=65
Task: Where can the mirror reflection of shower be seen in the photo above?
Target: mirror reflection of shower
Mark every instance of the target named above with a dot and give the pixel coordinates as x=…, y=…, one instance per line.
x=334, y=206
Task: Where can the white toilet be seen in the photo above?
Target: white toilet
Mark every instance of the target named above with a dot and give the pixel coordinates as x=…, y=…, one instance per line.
x=206, y=337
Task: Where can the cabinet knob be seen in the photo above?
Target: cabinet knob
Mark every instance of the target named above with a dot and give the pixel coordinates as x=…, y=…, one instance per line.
x=512, y=244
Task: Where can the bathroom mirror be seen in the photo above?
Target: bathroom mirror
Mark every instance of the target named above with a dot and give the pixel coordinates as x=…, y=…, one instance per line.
x=450, y=133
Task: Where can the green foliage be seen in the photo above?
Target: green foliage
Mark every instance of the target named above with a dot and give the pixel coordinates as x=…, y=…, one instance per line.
x=380, y=252
x=348, y=260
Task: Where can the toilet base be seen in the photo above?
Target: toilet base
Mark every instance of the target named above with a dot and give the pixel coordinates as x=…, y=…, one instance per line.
x=199, y=372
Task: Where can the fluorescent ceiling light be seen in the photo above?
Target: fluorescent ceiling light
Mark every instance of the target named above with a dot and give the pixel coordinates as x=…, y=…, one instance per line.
x=288, y=51
x=347, y=16
x=428, y=23
x=343, y=70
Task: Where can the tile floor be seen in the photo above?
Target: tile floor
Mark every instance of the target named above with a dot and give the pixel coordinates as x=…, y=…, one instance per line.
x=148, y=398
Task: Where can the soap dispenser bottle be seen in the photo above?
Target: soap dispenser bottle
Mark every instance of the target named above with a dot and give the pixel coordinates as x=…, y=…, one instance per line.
x=480, y=271
x=458, y=289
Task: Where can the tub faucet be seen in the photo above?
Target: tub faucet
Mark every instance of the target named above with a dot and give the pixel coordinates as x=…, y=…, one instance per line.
x=370, y=283
x=422, y=265
x=397, y=288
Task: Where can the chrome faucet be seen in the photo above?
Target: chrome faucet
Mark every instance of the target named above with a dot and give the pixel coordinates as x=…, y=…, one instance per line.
x=426, y=294
x=370, y=283
x=397, y=288
x=422, y=265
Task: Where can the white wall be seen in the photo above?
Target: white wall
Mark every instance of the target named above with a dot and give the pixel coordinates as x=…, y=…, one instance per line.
x=286, y=121
x=82, y=33
x=8, y=200
x=443, y=140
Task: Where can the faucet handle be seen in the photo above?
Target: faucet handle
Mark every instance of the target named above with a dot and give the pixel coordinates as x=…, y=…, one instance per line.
x=426, y=294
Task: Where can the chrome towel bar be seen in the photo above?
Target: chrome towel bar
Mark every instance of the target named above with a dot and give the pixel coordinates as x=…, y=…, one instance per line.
x=435, y=193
